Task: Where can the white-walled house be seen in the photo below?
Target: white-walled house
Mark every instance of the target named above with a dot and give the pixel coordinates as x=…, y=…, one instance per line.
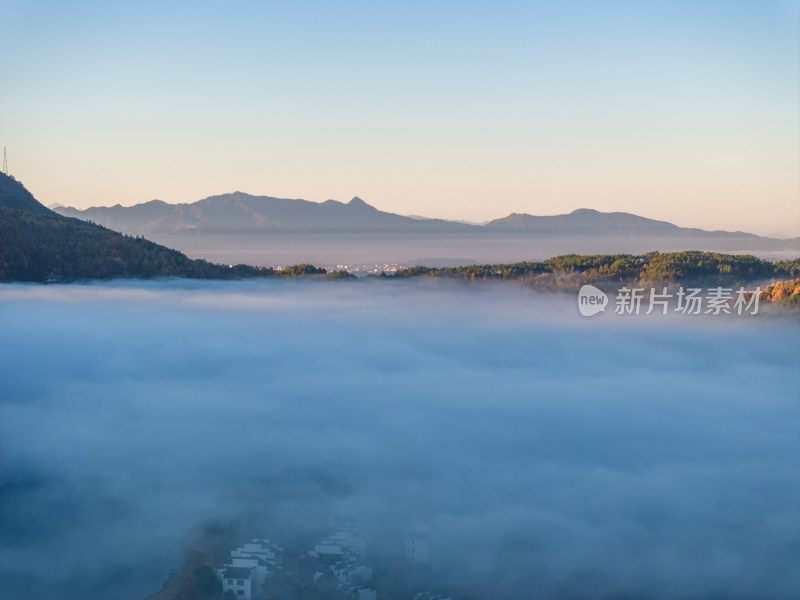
x=239, y=580
x=421, y=544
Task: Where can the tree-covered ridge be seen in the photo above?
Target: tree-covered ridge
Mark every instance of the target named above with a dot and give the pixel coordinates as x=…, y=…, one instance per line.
x=33, y=246
x=687, y=266
x=15, y=195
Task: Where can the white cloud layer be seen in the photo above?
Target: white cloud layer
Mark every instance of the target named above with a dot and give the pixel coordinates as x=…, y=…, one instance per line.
x=562, y=457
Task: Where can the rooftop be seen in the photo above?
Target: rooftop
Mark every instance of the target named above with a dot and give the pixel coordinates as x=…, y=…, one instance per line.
x=237, y=573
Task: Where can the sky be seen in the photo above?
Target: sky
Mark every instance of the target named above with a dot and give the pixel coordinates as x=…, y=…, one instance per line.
x=559, y=457
x=684, y=111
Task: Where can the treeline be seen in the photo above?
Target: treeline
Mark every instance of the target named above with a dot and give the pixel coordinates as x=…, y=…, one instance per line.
x=687, y=267
x=34, y=246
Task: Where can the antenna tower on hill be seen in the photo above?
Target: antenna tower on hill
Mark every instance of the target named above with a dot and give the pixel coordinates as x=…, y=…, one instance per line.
x=5, y=161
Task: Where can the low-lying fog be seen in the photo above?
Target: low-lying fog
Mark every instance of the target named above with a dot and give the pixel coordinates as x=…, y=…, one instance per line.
x=561, y=457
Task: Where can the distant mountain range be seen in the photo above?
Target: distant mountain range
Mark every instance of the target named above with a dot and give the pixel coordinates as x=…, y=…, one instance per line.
x=242, y=213
x=239, y=212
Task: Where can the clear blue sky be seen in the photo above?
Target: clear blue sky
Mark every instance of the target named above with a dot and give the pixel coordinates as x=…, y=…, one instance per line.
x=685, y=111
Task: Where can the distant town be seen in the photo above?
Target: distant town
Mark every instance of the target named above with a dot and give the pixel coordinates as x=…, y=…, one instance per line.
x=362, y=270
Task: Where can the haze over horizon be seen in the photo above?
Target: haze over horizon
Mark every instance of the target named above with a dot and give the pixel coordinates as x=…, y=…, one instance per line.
x=678, y=111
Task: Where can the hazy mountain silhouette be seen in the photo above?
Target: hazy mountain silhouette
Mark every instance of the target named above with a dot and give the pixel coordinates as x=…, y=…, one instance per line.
x=242, y=213
x=586, y=221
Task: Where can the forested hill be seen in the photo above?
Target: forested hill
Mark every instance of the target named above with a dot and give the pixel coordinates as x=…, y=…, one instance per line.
x=13, y=195
x=35, y=242
x=571, y=270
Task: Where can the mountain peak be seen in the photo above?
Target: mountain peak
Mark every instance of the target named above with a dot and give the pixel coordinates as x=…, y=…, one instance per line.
x=357, y=202
x=584, y=211
x=14, y=195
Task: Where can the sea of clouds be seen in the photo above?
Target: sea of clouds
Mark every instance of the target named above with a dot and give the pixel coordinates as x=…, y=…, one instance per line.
x=559, y=456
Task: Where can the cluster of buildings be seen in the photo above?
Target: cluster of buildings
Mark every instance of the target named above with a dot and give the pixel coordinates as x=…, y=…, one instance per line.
x=336, y=562
x=249, y=568
x=339, y=557
x=362, y=270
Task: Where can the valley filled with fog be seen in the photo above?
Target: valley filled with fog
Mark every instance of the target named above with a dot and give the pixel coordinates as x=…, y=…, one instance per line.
x=559, y=456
